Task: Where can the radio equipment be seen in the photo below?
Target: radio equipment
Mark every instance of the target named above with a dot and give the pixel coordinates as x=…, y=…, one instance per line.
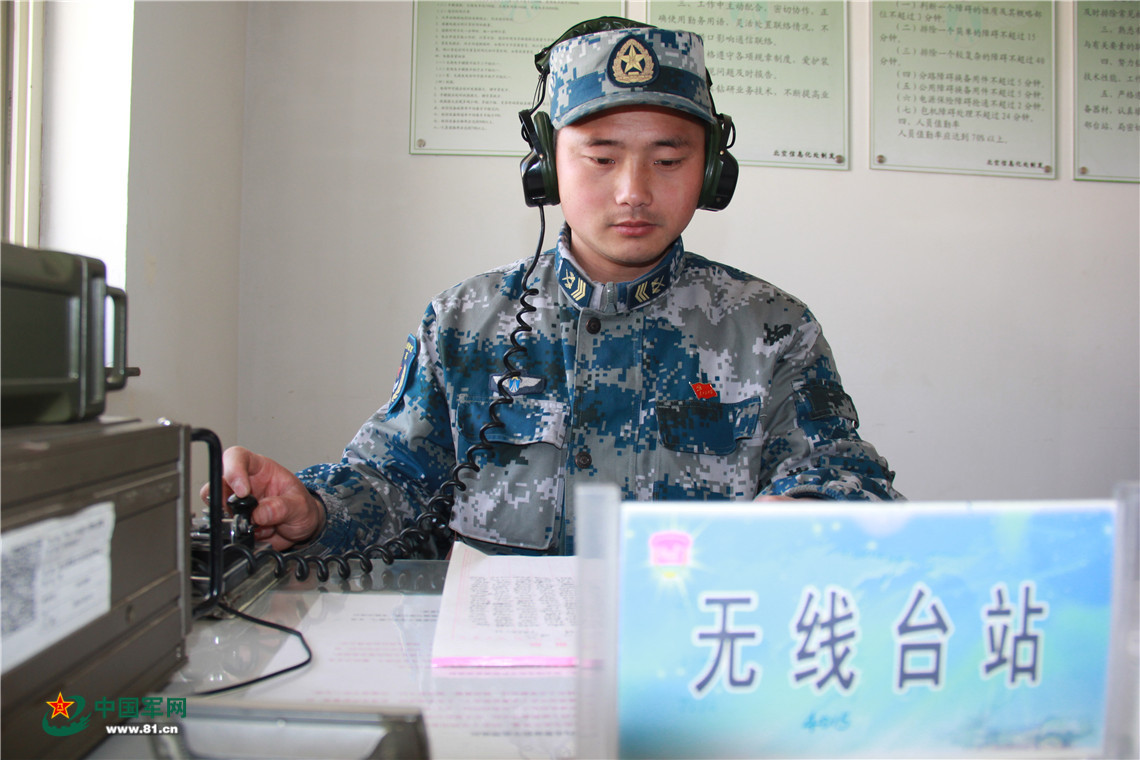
x=54, y=332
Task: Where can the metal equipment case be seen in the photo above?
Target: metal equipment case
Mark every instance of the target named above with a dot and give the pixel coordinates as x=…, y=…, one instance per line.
x=125, y=475
x=54, y=326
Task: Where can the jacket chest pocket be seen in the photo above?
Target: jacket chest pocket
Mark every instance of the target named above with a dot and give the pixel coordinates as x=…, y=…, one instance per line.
x=703, y=427
x=516, y=498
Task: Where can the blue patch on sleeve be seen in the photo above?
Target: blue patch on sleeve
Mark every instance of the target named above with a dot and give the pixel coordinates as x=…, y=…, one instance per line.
x=411, y=348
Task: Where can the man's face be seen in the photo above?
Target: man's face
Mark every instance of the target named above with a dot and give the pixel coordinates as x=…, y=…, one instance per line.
x=629, y=181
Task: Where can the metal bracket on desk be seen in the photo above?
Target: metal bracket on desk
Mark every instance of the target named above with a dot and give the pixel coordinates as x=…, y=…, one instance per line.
x=214, y=592
x=239, y=731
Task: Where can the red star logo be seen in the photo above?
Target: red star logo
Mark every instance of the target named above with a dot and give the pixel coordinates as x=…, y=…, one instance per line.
x=60, y=706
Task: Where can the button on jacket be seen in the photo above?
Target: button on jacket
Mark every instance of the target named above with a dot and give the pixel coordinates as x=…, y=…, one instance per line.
x=696, y=381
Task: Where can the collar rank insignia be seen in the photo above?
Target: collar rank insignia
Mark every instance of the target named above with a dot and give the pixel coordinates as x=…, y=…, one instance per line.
x=648, y=289
x=574, y=284
x=632, y=63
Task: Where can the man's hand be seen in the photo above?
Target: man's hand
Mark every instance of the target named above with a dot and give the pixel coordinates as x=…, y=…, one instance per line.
x=286, y=512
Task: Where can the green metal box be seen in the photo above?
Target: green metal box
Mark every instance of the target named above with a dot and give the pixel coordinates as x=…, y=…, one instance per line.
x=54, y=322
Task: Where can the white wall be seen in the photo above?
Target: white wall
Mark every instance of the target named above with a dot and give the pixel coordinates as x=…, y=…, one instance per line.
x=86, y=131
x=184, y=214
x=988, y=328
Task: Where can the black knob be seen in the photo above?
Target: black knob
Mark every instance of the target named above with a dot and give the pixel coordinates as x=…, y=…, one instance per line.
x=241, y=525
x=243, y=506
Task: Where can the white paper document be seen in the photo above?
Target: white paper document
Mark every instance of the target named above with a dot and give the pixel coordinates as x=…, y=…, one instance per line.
x=506, y=611
x=56, y=579
x=374, y=649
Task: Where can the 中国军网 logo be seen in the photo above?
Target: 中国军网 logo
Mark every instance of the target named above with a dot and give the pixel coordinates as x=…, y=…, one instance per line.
x=65, y=716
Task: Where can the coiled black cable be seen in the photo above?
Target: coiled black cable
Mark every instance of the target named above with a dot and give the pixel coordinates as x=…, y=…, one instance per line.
x=415, y=539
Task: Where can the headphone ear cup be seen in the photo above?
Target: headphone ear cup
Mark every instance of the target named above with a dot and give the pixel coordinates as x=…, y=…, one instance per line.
x=721, y=168
x=540, y=182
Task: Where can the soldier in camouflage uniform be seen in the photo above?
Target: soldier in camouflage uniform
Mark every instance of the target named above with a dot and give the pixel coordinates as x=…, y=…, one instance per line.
x=647, y=366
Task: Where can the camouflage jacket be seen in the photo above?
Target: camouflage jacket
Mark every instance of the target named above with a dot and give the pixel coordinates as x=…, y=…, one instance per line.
x=696, y=381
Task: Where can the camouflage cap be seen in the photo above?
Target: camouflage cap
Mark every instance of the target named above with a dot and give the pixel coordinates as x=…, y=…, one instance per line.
x=619, y=67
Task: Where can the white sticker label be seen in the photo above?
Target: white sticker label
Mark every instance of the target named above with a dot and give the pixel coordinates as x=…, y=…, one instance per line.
x=55, y=578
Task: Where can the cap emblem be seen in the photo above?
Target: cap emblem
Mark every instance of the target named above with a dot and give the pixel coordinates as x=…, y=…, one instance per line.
x=632, y=63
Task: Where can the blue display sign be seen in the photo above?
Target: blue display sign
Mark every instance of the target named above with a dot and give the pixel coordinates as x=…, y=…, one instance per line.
x=952, y=630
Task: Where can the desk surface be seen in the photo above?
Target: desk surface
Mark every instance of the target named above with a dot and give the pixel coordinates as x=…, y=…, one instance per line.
x=371, y=638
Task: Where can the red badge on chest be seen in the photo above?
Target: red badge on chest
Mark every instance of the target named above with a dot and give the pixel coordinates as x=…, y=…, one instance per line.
x=703, y=390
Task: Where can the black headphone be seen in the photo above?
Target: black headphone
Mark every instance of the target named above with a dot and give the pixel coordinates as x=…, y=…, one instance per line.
x=540, y=182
